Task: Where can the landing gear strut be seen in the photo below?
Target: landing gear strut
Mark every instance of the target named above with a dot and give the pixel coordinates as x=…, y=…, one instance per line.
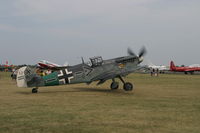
x=114, y=85
x=127, y=85
x=34, y=90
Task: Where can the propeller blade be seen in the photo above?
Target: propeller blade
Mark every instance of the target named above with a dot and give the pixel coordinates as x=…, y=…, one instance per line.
x=143, y=51
x=130, y=52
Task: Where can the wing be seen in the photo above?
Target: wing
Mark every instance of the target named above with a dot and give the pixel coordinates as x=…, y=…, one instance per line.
x=104, y=77
x=111, y=75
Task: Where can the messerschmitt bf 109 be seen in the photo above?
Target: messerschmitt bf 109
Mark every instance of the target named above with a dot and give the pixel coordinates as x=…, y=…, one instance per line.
x=97, y=70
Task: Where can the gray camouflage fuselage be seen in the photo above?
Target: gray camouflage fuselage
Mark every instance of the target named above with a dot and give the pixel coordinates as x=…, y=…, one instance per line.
x=99, y=70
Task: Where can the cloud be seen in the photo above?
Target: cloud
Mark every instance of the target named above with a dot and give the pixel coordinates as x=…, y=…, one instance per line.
x=9, y=28
x=118, y=12
x=60, y=9
x=98, y=24
x=103, y=17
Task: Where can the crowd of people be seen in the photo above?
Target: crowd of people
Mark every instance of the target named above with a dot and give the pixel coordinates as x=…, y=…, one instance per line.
x=155, y=72
x=4, y=68
x=43, y=72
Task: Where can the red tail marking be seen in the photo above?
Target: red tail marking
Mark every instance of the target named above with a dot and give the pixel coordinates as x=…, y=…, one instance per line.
x=172, y=66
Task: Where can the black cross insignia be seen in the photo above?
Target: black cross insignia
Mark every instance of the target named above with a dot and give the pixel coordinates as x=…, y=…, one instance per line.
x=65, y=76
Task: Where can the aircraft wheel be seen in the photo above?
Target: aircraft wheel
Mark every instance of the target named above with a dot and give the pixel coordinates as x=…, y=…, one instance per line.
x=114, y=85
x=186, y=73
x=128, y=86
x=34, y=90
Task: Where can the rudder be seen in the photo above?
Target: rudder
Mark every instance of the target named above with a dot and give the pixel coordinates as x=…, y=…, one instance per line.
x=26, y=77
x=172, y=65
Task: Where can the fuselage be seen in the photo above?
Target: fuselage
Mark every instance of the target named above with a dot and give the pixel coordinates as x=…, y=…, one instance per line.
x=185, y=69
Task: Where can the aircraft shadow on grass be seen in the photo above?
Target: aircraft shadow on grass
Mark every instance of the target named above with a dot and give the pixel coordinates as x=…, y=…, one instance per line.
x=80, y=89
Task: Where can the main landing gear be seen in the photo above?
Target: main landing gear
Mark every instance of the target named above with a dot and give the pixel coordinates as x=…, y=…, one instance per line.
x=127, y=85
x=114, y=85
x=35, y=90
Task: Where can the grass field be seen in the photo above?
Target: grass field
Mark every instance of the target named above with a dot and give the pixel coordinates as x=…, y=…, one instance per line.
x=164, y=104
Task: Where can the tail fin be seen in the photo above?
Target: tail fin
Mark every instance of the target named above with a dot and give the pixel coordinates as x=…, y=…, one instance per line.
x=26, y=77
x=172, y=66
x=21, y=78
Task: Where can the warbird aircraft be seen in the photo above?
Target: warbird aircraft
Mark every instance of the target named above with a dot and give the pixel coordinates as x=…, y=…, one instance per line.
x=161, y=68
x=97, y=70
x=47, y=64
x=43, y=64
x=184, y=69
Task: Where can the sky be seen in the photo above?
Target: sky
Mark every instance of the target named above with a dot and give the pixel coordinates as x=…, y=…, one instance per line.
x=64, y=30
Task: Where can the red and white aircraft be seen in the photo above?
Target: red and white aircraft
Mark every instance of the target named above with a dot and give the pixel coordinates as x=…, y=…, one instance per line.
x=49, y=65
x=186, y=70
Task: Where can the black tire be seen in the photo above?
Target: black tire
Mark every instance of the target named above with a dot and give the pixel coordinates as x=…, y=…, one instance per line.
x=34, y=90
x=128, y=86
x=186, y=73
x=114, y=85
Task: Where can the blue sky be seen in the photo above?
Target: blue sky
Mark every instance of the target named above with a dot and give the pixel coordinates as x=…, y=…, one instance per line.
x=63, y=30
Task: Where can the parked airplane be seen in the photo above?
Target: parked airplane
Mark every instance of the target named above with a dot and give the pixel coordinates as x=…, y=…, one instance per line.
x=6, y=67
x=186, y=70
x=99, y=70
x=49, y=65
x=161, y=68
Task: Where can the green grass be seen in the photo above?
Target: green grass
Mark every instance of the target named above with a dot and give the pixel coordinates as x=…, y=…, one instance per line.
x=164, y=104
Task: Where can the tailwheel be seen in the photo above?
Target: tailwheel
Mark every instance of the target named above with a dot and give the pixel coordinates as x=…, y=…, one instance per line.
x=35, y=90
x=128, y=86
x=114, y=85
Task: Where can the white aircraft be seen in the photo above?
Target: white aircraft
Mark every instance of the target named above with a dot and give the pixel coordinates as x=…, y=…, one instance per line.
x=161, y=68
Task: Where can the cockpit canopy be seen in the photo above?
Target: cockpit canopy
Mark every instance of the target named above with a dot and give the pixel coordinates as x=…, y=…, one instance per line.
x=96, y=61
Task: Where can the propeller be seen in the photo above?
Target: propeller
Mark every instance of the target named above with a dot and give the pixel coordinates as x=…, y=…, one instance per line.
x=130, y=52
x=141, y=53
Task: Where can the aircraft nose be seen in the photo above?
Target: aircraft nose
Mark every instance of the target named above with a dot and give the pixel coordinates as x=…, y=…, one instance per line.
x=141, y=59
